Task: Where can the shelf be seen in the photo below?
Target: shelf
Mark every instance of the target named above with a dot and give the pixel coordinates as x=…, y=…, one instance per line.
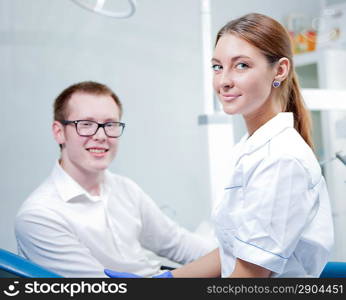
x=324, y=99
x=307, y=58
x=214, y=118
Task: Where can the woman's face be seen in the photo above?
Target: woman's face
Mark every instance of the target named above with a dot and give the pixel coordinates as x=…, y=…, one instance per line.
x=242, y=77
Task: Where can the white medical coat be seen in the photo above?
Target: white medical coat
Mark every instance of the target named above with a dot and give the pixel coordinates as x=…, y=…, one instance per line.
x=275, y=212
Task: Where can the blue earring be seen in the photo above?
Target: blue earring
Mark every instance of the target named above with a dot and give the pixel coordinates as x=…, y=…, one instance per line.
x=276, y=83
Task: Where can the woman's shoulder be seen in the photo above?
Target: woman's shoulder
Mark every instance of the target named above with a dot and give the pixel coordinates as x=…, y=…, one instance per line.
x=286, y=151
x=290, y=143
x=291, y=146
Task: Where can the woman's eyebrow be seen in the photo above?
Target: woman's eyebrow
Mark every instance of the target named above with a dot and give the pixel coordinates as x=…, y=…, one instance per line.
x=232, y=59
x=238, y=57
x=215, y=60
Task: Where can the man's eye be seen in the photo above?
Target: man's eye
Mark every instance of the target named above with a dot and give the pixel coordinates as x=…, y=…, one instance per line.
x=86, y=123
x=241, y=66
x=216, y=67
x=111, y=124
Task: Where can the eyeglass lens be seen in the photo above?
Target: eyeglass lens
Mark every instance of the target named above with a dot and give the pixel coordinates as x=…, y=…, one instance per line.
x=88, y=128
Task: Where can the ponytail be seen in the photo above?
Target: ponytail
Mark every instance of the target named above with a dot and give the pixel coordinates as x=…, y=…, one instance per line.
x=295, y=104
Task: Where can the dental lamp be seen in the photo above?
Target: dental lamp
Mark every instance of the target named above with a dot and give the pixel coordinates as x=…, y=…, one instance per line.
x=98, y=8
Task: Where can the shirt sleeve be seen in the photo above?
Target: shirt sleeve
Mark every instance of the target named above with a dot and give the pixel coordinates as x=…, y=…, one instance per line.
x=47, y=241
x=165, y=237
x=276, y=207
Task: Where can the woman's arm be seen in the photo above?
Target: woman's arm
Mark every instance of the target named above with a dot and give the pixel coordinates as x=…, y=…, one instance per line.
x=207, y=266
x=244, y=269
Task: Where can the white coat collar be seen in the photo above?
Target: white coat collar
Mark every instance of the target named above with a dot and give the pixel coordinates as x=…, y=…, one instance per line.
x=267, y=131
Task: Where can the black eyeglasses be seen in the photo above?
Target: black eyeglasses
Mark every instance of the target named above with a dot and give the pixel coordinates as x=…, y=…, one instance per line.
x=89, y=128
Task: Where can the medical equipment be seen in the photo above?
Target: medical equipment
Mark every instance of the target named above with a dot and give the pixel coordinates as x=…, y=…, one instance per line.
x=341, y=157
x=338, y=155
x=12, y=265
x=334, y=269
x=99, y=8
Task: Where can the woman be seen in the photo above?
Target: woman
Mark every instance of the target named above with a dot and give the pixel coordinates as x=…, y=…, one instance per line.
x=275, y=218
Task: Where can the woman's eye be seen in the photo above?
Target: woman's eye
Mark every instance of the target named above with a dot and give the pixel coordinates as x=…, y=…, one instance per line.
x=241, y=66
x=216, y=67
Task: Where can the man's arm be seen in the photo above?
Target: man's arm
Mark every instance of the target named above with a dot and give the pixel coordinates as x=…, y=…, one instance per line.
x=49, y=243
x=207, y=266
x=166, y=238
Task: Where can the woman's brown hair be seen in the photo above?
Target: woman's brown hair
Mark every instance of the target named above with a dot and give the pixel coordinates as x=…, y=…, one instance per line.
x=273, y=40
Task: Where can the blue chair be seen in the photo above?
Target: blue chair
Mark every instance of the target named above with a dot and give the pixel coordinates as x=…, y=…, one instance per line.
x=334, y=269
x=12, y=266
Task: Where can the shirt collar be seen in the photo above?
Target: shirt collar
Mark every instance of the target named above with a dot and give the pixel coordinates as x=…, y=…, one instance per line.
x=68, y=188
x=267, y=131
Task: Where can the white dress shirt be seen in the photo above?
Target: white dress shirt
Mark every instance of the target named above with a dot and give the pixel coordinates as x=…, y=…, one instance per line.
x=65, y=229
x=276, y=211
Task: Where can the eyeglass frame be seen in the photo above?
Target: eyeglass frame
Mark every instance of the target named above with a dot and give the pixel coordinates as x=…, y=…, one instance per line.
x=103, y=125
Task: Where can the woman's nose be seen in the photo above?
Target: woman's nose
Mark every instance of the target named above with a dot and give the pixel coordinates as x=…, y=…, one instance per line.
x=226, y=81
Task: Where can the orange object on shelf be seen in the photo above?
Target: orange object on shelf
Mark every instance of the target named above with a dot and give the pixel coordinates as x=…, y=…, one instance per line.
x=304, y=41
x=311, y=37
x=302, y=32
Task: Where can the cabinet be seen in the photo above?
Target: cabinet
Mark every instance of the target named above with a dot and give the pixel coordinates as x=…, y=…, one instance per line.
x=324, y=72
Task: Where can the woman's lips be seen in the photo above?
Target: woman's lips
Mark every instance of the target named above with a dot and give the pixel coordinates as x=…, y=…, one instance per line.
x=229, y=97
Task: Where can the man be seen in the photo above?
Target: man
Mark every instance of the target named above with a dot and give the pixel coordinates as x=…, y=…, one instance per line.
x=83, y=219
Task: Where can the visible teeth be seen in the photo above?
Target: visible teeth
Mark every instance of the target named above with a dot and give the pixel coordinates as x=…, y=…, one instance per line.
x=97, y=150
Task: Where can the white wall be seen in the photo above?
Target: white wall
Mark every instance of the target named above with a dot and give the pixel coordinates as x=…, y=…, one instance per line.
x=331, y=67
x=225, y=10
x=153, y=62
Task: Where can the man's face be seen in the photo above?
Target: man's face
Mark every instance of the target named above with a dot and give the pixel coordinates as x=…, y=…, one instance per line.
x=80, y=155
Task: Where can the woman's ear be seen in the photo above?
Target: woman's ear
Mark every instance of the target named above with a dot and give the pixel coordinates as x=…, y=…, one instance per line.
x=58, y=132
x=282, y=69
